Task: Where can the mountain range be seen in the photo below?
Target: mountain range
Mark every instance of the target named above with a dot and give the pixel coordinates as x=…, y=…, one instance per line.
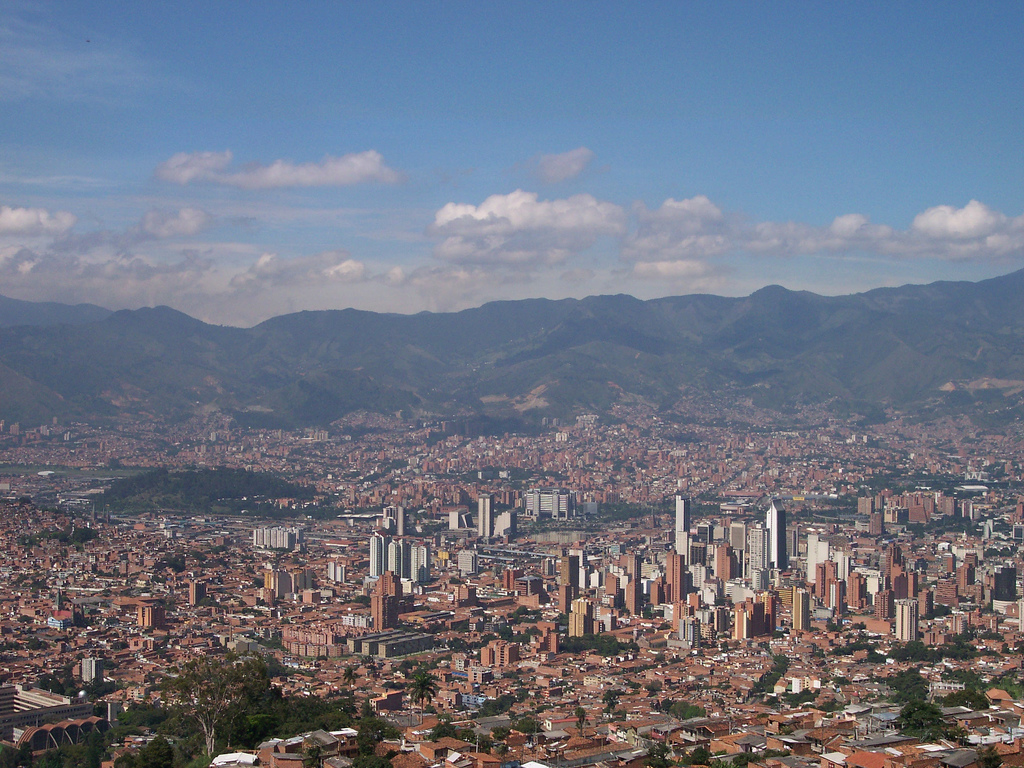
x=929, y=349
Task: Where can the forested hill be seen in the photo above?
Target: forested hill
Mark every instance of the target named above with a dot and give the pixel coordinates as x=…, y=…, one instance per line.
x=943, y=346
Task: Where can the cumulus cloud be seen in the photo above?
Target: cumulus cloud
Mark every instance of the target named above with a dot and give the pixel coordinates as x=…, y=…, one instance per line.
x=517, y=228
x=552, y=169
x=696, y=229
x=974, y=220
x=270, y=270
x=34, y=221
x=679, y=229
x=347, y=170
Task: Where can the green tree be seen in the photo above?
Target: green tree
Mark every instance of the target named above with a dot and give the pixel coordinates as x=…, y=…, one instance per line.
x=989, y=757
x=658, y=756
x=526, y=725
x=921, y=719
x=349, y=676
x=611, y=700
x=211, y=691
x=581, y=719
x=423, y=688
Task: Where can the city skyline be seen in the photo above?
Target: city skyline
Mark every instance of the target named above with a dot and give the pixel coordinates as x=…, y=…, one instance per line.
x=237, y=163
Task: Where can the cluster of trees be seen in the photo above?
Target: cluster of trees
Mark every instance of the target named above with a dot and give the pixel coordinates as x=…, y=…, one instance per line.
x=202, y=490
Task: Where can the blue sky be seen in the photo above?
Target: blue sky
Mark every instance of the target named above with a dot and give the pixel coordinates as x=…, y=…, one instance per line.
x=240, y=160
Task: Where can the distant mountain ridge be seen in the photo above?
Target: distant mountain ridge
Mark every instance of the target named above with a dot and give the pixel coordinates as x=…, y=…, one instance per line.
x=18, y=312
x=946, y=345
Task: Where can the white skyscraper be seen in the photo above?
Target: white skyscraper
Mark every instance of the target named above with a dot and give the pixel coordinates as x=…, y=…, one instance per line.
x=420, y=563
x=378, y=554
x=757, y=549
x=818, y=551
x=906, y=620
x=485, y=517
x=682, y=540
x=775, y=522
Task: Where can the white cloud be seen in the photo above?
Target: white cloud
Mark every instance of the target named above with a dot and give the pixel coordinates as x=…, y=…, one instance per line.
x=186, y=167
x=974, y=220
x=696, y=229
x=517, y=228
x=552, y=169
x=347, y=170
x=270, y=270
x=678, y=229
x=34, y=221
x=163, y=224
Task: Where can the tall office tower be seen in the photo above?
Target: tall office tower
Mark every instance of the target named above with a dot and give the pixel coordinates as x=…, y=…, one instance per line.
x=485, y=517
x=569, y=571
x=757, y=549
x=775, y=522
x=738, y=536
x=506, y=524
x=676, y=576
x=866, y=505
x=906, y=620
x=1004, y=583
x=876, y=524
x=682, y=539
x=818, y=551
x=378, y=554
x=705, y=532
x=420, y=559
x=400, y=520
x=801, y=610
x=634, y=595
x=724, y=562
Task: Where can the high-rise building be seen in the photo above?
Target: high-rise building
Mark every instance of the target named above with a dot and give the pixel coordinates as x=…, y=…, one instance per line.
x=485, y=517
x=801, y=610
x=682, y=538
x=757, y=549
x=378, y=554
x=581, y=618
x=1004, y=583
x=906, y=620
x=196, y=592
x=468, y=562
x=399, y=558
x=738, y=536
x=506, y=524
x=336, y=572
x=569, y=571
x=384, y=611
x=92, y=669
x=420, y=561
x=775, y=522
x=818, y=551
